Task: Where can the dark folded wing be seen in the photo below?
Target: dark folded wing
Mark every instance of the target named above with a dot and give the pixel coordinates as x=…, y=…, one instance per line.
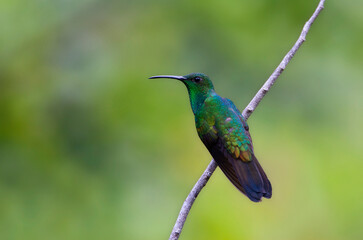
x=248, y=177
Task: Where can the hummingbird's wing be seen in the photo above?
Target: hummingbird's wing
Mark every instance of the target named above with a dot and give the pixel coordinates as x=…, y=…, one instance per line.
x=230, y=144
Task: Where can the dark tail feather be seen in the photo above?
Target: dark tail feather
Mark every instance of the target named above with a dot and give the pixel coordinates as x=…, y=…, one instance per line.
x=253, y=179
x=267, y=184
x=248, y=177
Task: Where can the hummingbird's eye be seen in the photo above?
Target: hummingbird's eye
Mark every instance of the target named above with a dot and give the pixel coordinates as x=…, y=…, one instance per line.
x=197, y=79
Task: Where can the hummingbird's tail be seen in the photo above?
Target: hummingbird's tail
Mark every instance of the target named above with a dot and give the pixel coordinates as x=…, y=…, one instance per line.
x=248, y=177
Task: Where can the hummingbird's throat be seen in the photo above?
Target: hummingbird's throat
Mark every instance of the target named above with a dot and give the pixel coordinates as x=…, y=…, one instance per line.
x=197, y=98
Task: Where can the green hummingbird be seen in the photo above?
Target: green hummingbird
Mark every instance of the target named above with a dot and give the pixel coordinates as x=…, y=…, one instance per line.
x=225, y=133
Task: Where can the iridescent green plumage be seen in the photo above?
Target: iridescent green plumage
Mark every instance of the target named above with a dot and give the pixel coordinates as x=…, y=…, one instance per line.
x=219, y=118
x=225, y=133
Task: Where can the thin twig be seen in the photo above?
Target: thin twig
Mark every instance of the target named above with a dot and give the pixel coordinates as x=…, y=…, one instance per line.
x=271, y=80
x=187, y=205
x=246, y=114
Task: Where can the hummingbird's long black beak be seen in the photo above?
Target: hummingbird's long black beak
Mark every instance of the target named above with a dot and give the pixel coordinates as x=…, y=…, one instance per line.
x=169, y=76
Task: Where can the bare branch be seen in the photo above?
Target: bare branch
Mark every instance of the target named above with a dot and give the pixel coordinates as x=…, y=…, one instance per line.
x=246, y=114
x=271, y=80
x=187, y=205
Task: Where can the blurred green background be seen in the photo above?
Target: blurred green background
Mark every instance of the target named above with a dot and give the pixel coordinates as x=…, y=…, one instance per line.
x=92, y=149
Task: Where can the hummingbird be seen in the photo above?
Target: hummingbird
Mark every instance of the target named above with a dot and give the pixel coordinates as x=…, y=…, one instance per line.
x=225, y=133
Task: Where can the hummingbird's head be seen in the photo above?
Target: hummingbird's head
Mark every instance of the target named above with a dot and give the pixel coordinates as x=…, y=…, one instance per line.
x=195, y=82
x=199, y=87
